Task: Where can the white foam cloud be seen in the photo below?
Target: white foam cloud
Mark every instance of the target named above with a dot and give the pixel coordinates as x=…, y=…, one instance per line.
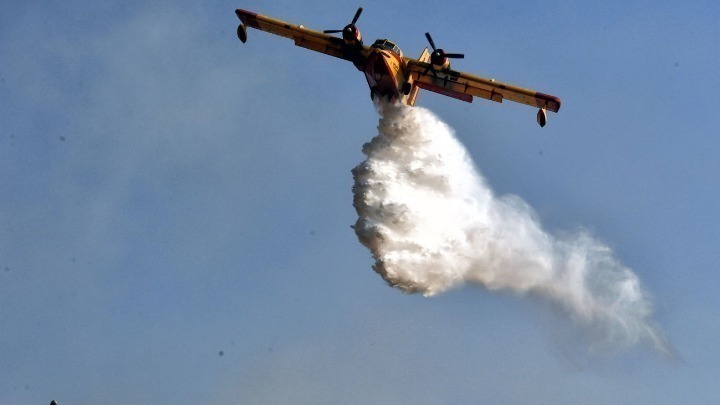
x=432, y=223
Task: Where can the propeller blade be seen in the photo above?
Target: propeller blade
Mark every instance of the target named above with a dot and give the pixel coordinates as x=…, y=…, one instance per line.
x=429, y=38
x=332, y=31
x=357, y=15
x=454, y=55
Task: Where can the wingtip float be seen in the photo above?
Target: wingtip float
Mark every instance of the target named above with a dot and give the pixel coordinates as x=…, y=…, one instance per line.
x=392, y=75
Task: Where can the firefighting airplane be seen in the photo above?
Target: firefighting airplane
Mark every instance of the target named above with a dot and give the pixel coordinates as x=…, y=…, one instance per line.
x=389, y=74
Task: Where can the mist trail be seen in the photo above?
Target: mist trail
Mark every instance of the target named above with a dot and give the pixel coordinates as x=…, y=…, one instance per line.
x=432, y=223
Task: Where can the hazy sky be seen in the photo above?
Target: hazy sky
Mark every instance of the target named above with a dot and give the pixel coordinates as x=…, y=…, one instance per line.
x=175, y=206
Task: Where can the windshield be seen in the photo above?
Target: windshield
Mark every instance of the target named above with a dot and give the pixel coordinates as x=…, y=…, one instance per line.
x=388, y=46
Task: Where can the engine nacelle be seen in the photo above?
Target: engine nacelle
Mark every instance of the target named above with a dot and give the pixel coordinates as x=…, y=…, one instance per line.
x=351, y=35
x=438, y=60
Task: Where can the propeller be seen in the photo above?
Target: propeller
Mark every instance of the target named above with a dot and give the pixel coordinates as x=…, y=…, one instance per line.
x=439, y=57
x=350, y=32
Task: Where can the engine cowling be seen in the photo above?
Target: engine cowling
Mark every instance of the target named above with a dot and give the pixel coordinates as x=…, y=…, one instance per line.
x=439, y=60
x=351, y=35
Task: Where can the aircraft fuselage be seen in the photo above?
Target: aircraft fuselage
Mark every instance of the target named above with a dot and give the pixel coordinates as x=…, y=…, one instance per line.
x=384, y=74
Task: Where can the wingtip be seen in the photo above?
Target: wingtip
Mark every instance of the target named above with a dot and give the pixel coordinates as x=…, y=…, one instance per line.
x=552, y=103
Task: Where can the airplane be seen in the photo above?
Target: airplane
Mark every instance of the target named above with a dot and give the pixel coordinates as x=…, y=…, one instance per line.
x=394, y=76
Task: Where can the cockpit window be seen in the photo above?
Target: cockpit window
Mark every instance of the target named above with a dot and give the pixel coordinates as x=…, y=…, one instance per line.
x=388, y=46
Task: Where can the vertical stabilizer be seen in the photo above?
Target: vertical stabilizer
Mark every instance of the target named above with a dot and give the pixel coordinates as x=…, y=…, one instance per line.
x=424, y=57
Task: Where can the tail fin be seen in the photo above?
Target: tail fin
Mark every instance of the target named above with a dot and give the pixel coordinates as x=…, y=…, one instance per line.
x=424, y=57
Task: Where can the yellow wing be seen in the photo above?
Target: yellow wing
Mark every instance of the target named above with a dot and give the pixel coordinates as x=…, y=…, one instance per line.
x=464, y=86
x=306, y=38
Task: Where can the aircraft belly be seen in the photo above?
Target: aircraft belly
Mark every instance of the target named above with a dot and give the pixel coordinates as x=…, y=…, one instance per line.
x=381, y=73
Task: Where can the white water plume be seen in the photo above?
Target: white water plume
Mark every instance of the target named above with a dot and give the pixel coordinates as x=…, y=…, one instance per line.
x=432, y=223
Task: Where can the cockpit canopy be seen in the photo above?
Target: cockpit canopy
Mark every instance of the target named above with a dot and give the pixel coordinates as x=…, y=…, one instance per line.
x=387, y=45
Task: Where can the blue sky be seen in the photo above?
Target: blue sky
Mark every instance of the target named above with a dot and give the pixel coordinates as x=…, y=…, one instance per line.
x=168, y=193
